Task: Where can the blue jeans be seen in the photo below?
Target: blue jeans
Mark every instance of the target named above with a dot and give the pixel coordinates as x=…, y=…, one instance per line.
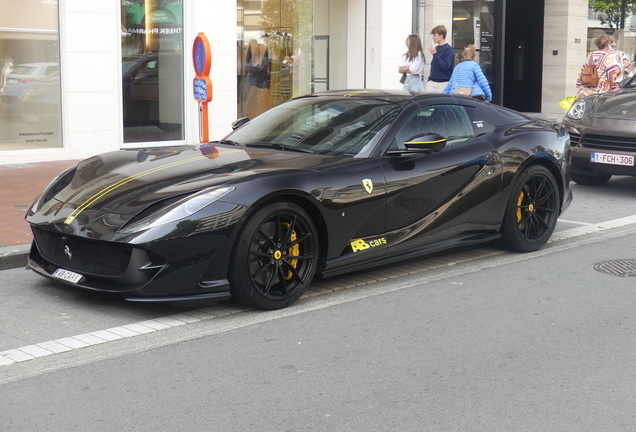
x=413, y=83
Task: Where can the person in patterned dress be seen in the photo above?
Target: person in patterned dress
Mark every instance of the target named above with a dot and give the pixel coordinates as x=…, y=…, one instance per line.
x=626, y=64
x=608, y=65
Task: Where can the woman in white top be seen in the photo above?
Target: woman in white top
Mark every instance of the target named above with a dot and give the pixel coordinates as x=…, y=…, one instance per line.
x=412, y=64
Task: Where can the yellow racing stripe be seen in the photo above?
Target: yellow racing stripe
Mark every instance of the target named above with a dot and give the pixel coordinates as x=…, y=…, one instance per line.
x=123, y=181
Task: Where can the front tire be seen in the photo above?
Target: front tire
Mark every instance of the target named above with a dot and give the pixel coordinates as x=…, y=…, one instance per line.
x=591, y=180
x=275, y=257
x=532, y=210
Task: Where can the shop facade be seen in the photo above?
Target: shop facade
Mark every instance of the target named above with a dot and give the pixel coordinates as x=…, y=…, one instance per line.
x=82, y=78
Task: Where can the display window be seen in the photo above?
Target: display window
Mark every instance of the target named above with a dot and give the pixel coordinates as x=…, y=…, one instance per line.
x=474, y=24
x=285, y=50
x=30, y=102
x=152, y=70
x=274, y=53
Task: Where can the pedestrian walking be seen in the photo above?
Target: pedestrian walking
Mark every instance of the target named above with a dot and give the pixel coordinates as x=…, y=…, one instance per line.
x=412, y=65
x=468, y=79
x=602, y=70
x=442, y=63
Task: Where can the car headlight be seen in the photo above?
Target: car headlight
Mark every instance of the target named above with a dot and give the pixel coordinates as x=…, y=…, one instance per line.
x=577, y=111
x=179, y=210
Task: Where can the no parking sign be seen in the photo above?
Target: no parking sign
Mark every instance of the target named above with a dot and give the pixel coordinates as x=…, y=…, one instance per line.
x=202, y=85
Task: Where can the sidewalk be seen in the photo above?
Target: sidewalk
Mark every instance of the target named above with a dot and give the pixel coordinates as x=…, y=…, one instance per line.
x=20, y=184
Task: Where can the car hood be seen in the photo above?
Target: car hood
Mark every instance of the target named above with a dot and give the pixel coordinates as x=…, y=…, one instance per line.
x=127, y=181
x=617, y=105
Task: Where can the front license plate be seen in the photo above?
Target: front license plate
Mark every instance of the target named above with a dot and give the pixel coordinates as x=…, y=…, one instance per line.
x=612, y=159
x=67, y=275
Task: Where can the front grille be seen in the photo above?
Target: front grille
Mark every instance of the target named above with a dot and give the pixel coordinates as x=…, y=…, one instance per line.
x=87, y=256
x=574, y=139
x=611, y=143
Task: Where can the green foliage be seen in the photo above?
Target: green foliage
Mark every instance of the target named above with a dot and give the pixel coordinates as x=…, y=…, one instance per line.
x=611, y=10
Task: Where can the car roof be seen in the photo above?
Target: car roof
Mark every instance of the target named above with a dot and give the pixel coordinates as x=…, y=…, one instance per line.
x=396, y=96
x=38, y=64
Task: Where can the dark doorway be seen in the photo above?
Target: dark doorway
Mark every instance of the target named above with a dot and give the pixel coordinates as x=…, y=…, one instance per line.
x=523, y=55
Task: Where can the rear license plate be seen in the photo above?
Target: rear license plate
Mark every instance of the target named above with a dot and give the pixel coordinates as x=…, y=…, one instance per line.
x=67, y=275
x=612, y=159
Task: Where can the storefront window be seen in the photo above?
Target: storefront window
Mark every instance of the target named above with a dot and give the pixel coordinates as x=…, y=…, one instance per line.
x=275, y=61
x=30, y=111
x=474, y=23
x=152, y=70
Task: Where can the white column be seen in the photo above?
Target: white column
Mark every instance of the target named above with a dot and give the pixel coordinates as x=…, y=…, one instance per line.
x=217, y=19
x=564, y=51
x=388, y=24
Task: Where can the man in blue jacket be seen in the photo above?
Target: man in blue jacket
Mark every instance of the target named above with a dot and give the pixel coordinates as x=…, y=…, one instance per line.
x=443, y=61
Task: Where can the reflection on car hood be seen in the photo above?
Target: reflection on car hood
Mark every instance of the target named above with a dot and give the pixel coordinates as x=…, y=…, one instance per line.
x=617, y=105
x=127, y=181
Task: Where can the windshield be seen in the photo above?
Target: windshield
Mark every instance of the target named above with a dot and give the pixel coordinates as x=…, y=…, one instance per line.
x=323, y=125
x=631, y=82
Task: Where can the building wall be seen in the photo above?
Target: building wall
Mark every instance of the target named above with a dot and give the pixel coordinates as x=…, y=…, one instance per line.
x=565, y=31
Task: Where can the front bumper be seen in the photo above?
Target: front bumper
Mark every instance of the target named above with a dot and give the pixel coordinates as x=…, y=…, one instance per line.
x=587, y=139
x=168, y=272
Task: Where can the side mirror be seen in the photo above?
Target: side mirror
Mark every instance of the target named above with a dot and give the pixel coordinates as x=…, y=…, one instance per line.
x=430, y=142
x=240, y=122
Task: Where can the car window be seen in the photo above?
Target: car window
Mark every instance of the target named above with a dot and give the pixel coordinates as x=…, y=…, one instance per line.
x=450, y=121
x=481, y=125
x=52, y=69
x=23, y=70
x=631, y=82
x=322, y=125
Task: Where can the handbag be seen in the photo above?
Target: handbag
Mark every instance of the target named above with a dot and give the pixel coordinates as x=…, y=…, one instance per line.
x=403, y=79
x=589, y=75
x=462, y=91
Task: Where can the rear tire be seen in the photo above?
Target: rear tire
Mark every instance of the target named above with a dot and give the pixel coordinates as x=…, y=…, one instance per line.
x=532, y=210
x=275, y=257
x=591, y=180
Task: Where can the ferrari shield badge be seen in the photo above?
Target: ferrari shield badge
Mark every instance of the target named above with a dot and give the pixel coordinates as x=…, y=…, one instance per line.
x=368, y=185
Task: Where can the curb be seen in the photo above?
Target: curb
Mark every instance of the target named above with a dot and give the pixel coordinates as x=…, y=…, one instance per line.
x=14, y=256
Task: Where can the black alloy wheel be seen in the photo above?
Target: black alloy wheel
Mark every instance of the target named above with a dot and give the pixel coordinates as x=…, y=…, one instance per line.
x=591, y=180
x=532, y=210
x=275, y=258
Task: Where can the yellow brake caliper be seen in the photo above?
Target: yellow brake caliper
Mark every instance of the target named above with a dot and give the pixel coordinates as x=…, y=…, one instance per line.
x=293, y=251
x=519, y=201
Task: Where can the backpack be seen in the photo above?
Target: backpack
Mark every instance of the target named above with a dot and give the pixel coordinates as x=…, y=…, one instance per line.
x=589, y=75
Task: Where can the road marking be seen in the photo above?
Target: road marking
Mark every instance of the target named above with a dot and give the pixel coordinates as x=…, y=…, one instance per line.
x=575, y=222
x=66, y=344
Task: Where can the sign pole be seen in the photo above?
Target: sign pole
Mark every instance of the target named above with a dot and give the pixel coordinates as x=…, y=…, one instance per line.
x=202, y=85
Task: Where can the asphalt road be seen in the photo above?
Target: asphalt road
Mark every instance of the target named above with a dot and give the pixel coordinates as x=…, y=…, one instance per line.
x=502, y=342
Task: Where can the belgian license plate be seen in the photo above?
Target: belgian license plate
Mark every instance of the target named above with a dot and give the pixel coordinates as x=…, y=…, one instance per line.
x=67, y=275
x=612, y=159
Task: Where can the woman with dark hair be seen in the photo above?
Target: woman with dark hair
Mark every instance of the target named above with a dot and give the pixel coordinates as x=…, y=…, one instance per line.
x=468, y=75
x=412, y=64
x=608, y=67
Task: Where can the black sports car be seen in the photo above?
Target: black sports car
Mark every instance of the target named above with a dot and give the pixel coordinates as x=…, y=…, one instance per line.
x=603, y=132
x=320, y=185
